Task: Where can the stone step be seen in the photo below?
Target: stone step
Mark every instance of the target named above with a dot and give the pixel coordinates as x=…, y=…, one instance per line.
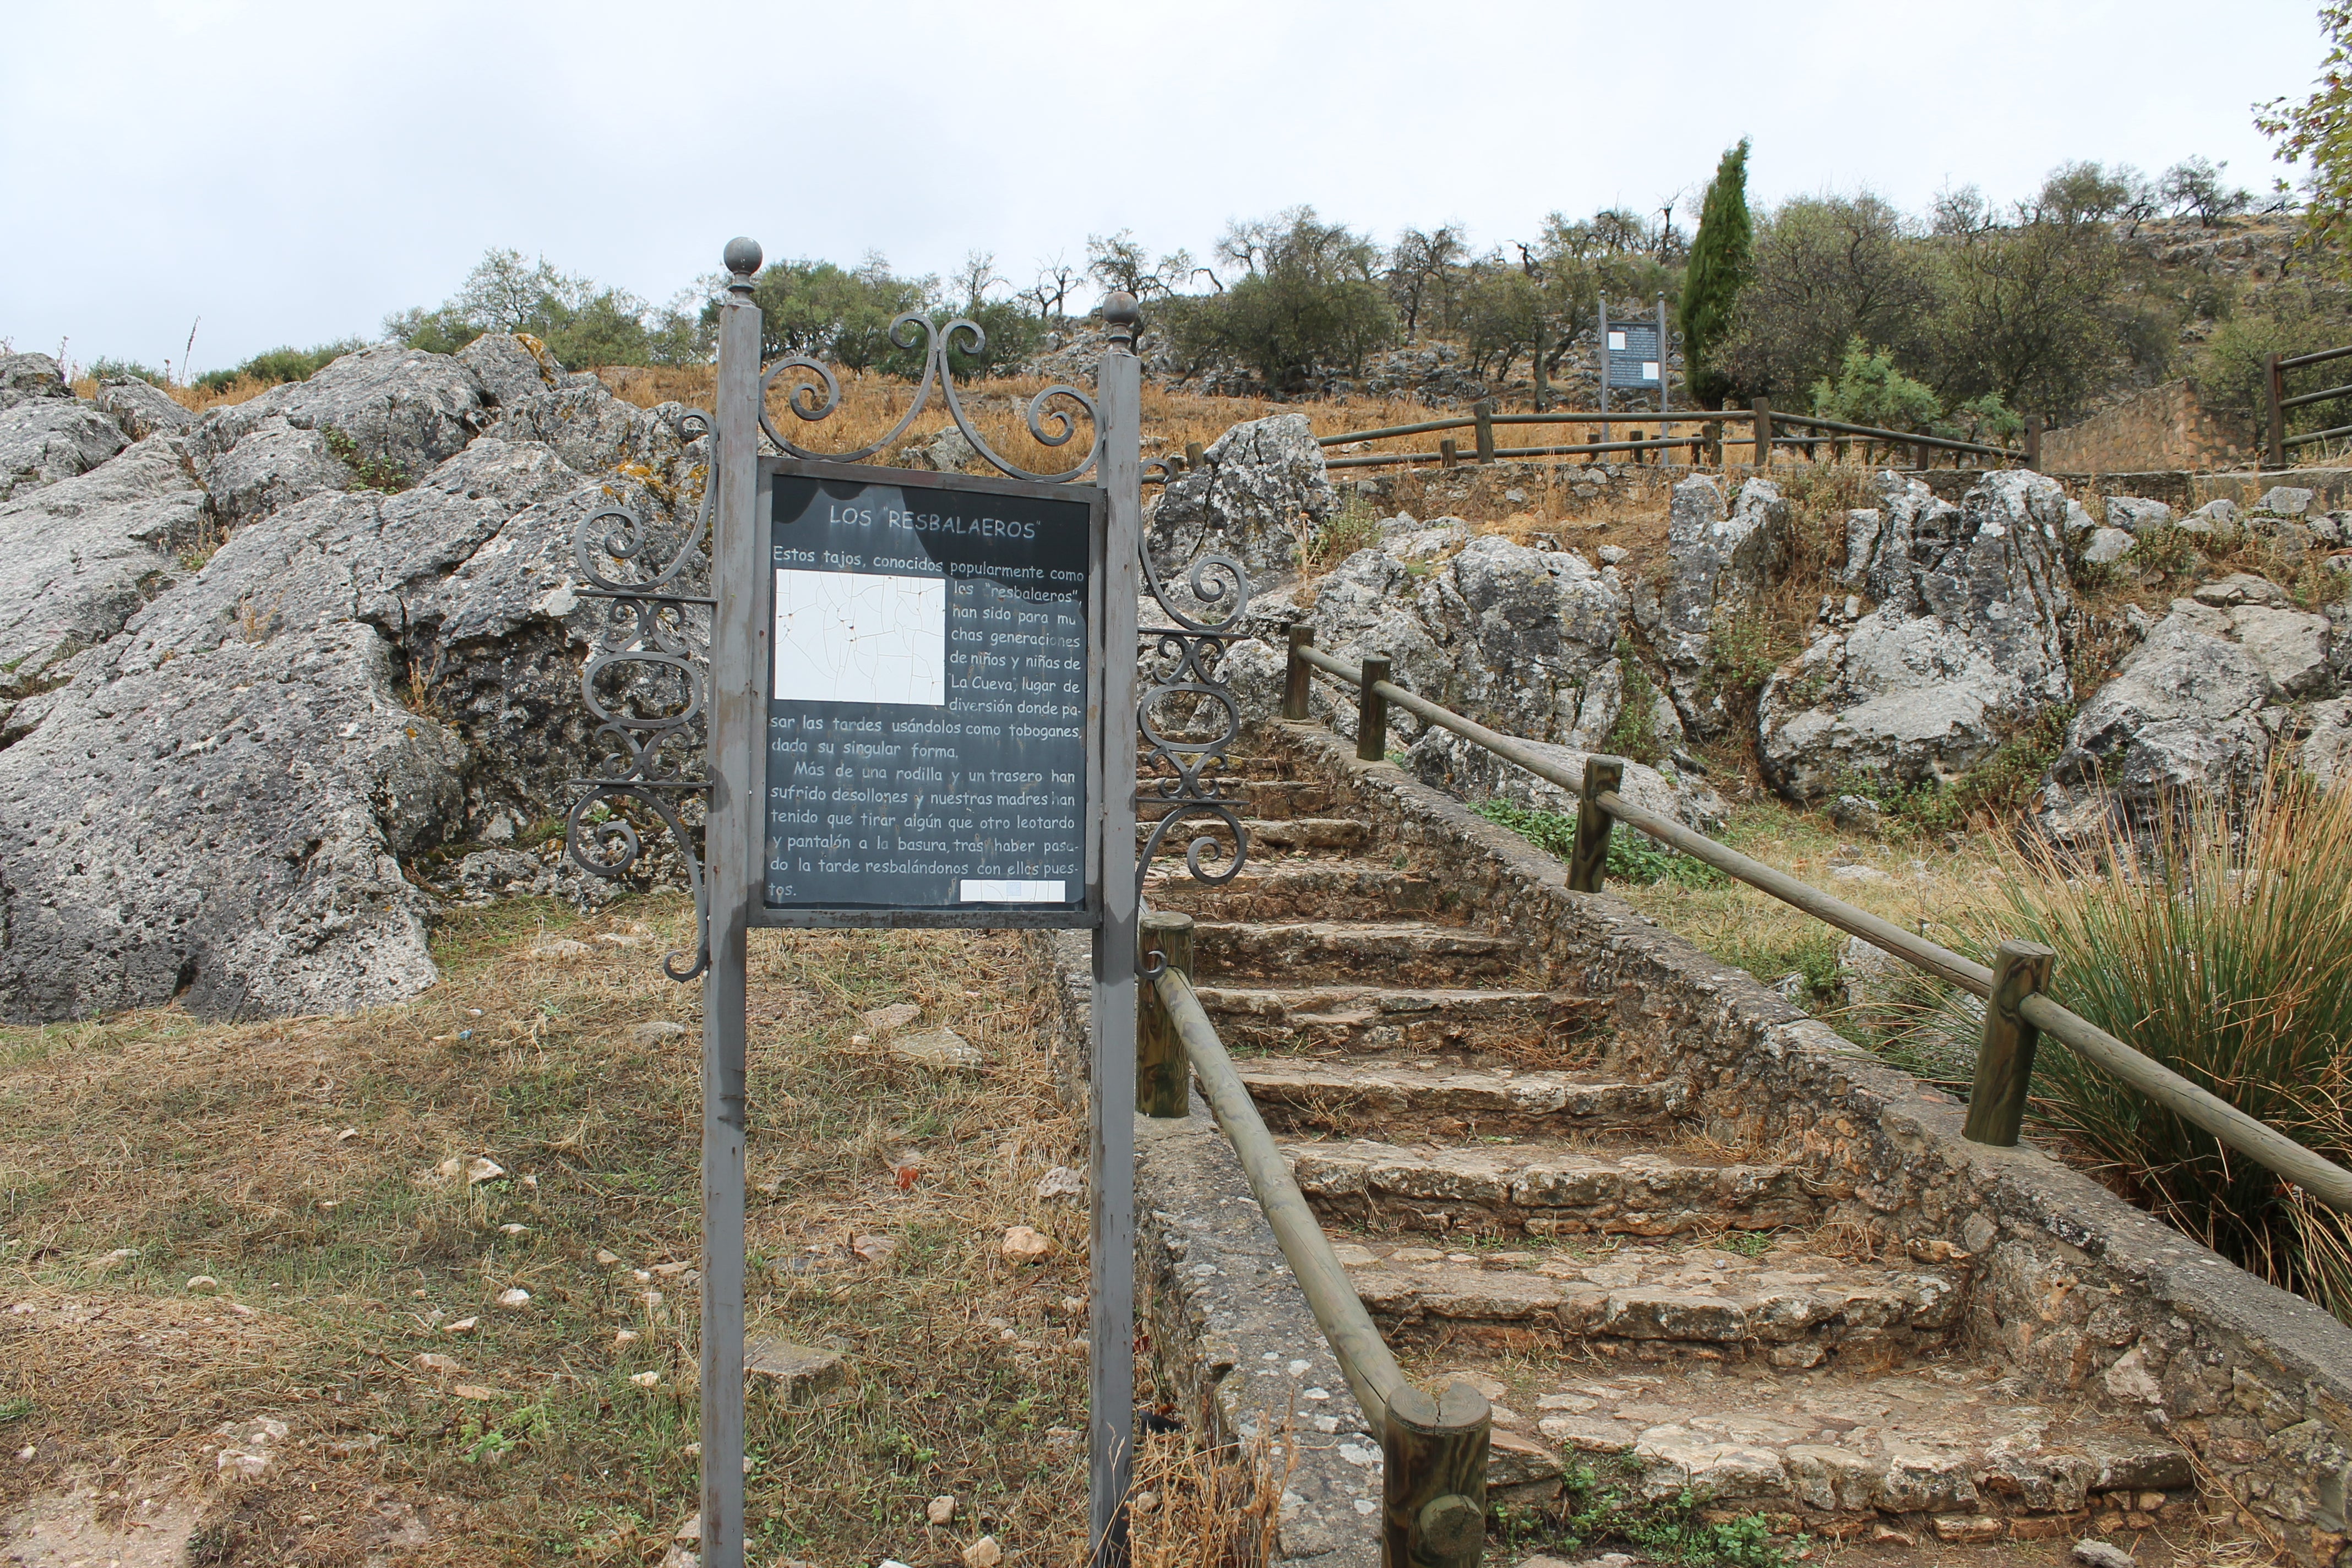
x=1405, y=951
x=1270, y=889
x=1290, y=833
x=1539, y=1187
x=1391, y=1099
x=1269, y=800
x=1499, y=1026
x=1785, y=1305
x=1943, y=1452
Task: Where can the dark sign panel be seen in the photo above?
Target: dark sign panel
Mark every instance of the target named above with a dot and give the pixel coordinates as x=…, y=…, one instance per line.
x=928, y=686
x=1633, y=357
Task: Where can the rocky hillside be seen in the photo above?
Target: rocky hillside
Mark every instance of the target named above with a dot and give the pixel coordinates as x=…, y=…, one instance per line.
x=277, y=683
x=218, y=761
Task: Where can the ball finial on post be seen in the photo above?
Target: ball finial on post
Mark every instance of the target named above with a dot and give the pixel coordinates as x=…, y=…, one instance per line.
x=1125, y=317
x=742, y=258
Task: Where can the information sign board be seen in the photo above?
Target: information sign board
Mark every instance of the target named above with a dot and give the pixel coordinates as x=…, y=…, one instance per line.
x=932, y=675
x=1634, y=356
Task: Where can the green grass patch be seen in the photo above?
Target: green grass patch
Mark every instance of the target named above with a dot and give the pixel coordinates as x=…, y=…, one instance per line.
x=1632, y=857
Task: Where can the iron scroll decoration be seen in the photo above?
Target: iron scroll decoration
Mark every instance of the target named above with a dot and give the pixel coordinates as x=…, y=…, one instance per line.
x=648, y=630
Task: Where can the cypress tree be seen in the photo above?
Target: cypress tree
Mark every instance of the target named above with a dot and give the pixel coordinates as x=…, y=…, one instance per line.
x=1719, y=259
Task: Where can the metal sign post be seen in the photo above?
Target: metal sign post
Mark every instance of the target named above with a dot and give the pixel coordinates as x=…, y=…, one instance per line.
x=921, y=710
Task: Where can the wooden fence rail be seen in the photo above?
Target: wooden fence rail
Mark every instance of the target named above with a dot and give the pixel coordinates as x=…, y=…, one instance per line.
x=2274, y=369
x=2016, y=1011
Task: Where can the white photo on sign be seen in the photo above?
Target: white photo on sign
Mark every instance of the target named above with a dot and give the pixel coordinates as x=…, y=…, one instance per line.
x=1617, y=343
x=861, y=636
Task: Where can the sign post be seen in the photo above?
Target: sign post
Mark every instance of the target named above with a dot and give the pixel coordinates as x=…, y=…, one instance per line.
x=921, y=710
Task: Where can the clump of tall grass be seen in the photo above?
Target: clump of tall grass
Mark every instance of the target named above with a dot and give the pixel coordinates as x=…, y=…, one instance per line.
x=2218, y=941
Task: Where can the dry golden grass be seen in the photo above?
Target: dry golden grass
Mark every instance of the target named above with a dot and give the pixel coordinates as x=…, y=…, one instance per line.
x=296, y=1161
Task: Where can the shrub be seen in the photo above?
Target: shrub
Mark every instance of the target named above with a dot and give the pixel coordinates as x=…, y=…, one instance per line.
x=1632, y=858
x=103, y=370
x=1870, y=390
x=2219, y=943
x=282, y=364
x=1310, y=299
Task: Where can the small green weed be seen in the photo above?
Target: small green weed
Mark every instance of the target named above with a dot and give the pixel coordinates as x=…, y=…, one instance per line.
x=367, y=473
x=1589, y=1512
x=15, y=1409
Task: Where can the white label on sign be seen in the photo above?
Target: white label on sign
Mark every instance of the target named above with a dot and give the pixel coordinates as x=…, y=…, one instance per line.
x=1649, y=370
x=977, y=890
x=1617, y=343
x=861, y=636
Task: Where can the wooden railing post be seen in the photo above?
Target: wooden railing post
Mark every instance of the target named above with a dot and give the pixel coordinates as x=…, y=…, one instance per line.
x=1715, y=443
x=1162, y=1081
x=1296, y=674
x=1760, y=411
x=2005, y=1062
x=1433, y=1478
x=1483, y=411
x=1193, y=456
x=2275, y=386
x=1372, y=713
x=1590, y=858
x=1447, y=455
x=2033, y=442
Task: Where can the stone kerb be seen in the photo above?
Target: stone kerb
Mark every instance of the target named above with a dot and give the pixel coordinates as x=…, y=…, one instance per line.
x=2089, y=1298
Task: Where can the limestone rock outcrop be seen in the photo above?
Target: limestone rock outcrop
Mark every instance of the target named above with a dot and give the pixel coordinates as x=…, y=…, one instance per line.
x=79, y=557
x=46, y=439
x=1522, y=639
x=1722, y=558
x=2198, y=708
x=1261, y=490
x=1966, y=640
x=221, y=775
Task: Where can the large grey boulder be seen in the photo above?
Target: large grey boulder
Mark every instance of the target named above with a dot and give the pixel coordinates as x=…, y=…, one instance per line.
x=224, y=829
x=142, y=409
x=216, y=802
x=2185, y=712
x=1965, y=644
x=2325, y=751
x=1721, y=561
x=1260, y=490
x=511, y=368
x=385, y=415
x=79, y=557
x=30, y=376
x=46, y=439
x=1524, y=640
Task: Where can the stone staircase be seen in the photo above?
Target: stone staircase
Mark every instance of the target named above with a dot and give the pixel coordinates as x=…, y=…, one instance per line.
x=1635, y=1299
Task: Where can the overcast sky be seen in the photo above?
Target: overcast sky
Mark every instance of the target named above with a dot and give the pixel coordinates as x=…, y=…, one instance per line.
x=290, y=172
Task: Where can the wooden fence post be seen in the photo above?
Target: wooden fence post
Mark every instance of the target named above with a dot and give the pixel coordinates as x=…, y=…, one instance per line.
x=1590, y=858
x=1760, y=411
x=1372, y=713
x=1714, y=448
x=1192, y=455
x=1446, y=454
x=1297, y=673
x=2275, y=385
x=1163, y=1083
x=1483, y=411
x=1433, y=1478
x=2005, y=1062
x=2033, y=442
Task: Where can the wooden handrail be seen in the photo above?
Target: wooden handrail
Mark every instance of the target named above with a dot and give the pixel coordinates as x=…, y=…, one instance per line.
x=2323, y=1179
x=1433, y=1445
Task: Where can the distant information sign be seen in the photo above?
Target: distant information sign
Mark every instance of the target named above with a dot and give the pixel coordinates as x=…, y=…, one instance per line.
x=927, y=699
x=1634, y=356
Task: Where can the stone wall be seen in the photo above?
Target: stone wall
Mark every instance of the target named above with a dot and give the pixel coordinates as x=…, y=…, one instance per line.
x=2162, y=428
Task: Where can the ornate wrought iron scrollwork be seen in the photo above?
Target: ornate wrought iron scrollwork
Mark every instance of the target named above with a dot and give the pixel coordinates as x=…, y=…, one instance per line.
x=1184, y=662
x=1049, y=425
x=648, y=745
